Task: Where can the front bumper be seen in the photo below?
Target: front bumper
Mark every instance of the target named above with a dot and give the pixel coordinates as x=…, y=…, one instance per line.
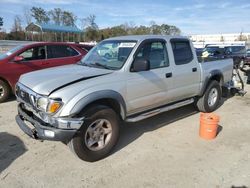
x=42, y=131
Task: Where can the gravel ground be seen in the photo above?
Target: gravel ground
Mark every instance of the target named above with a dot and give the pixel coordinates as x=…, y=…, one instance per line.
x=163, y=151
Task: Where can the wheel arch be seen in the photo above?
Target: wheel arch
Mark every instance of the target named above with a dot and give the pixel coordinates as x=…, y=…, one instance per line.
x=214, y=75
x=108, y=98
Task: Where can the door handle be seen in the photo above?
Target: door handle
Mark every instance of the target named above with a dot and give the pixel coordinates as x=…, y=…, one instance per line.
x=168, y=75
x=194, y=69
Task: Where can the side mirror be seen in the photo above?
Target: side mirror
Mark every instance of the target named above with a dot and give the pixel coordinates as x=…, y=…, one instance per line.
x=18, y=59
x=141, y=65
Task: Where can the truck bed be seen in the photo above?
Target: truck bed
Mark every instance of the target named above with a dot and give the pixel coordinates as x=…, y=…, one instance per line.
x=225, y=66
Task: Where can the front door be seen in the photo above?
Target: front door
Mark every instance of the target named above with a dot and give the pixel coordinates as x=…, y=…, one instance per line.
x=33, y=59
x=148, y=89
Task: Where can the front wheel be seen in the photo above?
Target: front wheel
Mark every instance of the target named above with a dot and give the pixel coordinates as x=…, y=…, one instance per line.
x=98, y=135
x=211, y=98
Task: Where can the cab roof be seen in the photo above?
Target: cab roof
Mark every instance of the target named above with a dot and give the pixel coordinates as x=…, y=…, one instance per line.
x=144, y=37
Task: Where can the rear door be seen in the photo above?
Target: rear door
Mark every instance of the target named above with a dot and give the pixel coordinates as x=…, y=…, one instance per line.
x=148, y=89
x=62, y=55
x=186, y=70
x=34, y=59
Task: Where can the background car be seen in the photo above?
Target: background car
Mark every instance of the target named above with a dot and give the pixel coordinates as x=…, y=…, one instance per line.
x=214, y=52
x=237, y=53
x=35, y=56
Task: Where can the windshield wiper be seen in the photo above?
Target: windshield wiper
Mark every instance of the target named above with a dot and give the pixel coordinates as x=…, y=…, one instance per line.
x=101, y=65
x=83, y=64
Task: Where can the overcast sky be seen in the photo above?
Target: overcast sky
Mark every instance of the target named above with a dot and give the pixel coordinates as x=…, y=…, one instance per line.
x=192, y=17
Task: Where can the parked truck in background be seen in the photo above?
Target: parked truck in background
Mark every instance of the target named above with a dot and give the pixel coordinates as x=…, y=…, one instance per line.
x=233, y=51
x=83, y=105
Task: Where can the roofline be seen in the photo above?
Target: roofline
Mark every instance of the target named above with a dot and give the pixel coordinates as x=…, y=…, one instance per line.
x=48, y=43
x=145, y=37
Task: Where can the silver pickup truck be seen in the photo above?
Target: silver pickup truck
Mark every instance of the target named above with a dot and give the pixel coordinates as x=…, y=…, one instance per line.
x=134, y=78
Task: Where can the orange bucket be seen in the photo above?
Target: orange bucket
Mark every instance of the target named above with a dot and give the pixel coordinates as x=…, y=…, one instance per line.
x=208, y=125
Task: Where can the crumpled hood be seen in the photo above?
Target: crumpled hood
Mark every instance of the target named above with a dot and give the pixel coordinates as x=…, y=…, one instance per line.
x=46, y=81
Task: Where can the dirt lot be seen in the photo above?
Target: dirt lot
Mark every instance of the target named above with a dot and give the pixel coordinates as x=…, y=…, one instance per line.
x=164, y=151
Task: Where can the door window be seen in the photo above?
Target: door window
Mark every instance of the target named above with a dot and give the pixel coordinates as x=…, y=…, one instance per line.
x=155, y=53
x=182, y=52
x=34, y=53
x=58, y=51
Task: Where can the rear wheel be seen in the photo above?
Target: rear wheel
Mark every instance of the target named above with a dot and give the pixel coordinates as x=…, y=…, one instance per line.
x=98, y=135
x=4, y=91
x=211, y=98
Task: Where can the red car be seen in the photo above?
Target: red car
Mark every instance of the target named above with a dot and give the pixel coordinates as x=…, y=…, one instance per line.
x=35, y=56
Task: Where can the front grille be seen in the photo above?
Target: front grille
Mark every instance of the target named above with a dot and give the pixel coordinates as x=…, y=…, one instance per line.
x=24, y=95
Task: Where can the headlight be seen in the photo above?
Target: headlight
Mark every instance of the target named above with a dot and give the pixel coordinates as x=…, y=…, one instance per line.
x=49, y=106
x=42, y=103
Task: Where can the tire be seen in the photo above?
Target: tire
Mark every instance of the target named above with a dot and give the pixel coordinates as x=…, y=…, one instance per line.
x=204, y=104
x=4, y=91
x=89, y=132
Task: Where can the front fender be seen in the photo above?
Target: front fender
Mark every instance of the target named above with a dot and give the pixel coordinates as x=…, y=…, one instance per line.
x=103, y=94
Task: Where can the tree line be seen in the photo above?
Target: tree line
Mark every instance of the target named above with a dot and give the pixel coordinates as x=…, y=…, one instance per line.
x=91, y=30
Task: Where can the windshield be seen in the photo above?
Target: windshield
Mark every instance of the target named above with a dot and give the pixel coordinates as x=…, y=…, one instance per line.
x=109, y=54
x=234, y=49
x=10, y=52
x=211, y=49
